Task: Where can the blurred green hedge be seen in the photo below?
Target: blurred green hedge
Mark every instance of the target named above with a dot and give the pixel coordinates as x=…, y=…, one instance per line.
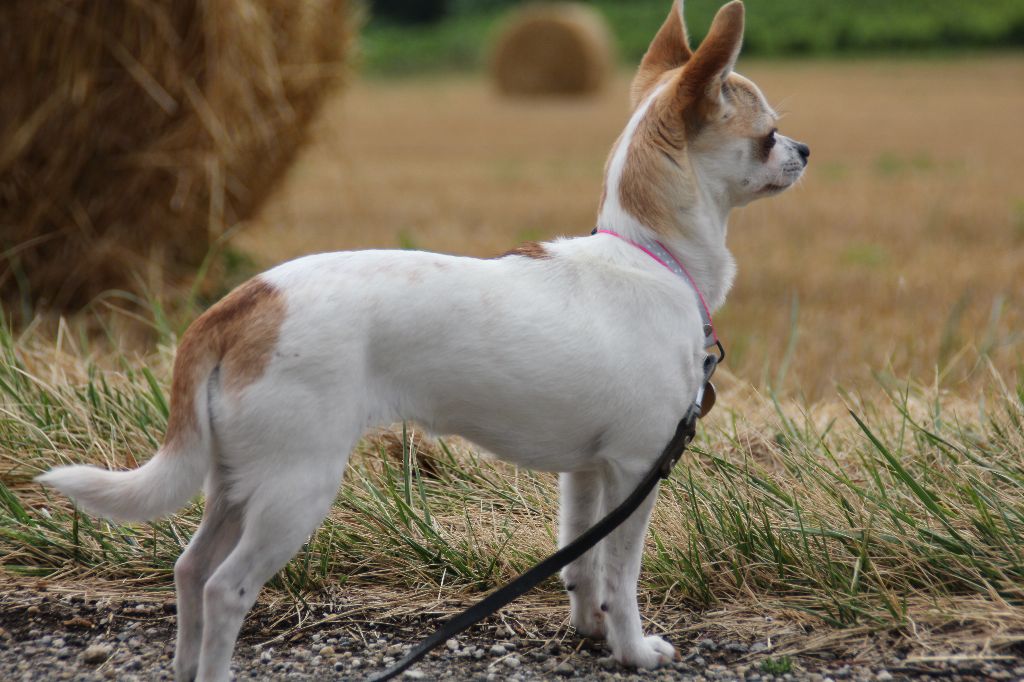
x=459, y=37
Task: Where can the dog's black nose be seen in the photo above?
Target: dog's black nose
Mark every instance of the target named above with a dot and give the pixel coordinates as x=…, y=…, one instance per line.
x=804, y=151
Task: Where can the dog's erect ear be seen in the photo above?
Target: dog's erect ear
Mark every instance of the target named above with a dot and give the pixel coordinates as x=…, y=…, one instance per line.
x=669, y=49
x=699, y=93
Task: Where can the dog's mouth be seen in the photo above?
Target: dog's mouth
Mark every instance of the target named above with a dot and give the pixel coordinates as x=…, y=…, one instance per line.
x=773, y=188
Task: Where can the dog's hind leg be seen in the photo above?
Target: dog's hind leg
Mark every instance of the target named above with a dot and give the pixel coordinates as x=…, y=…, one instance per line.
x=284, y=509
x=580, y=493
x=622, y=553
x=216, y=537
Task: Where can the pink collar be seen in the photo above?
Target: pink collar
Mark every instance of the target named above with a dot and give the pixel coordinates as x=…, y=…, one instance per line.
x=657, y=251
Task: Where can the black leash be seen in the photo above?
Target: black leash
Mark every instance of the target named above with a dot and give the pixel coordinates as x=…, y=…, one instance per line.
x=685, y=431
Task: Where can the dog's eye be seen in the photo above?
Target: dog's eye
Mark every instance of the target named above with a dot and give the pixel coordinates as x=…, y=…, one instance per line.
x=769, y=141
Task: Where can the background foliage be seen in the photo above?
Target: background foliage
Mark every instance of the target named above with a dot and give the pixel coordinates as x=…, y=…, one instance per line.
x=463, y=29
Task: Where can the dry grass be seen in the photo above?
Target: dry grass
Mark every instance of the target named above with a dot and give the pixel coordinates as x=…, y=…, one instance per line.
x=903, y=245
x=804, y=523
x=135, y=133
x=552, y=49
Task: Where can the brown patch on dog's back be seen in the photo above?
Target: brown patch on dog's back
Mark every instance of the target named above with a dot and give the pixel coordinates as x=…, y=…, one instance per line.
x=238, y=334
x=533, y=250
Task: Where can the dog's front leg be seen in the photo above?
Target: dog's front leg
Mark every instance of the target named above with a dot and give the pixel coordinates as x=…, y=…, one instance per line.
x=622, y=553
x=580, y=493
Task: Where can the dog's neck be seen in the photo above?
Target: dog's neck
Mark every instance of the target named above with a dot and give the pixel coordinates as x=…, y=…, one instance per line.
x=696, y=230
x=699, y=245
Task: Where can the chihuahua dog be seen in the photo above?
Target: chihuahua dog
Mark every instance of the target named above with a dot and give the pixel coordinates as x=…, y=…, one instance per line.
x=576, y=356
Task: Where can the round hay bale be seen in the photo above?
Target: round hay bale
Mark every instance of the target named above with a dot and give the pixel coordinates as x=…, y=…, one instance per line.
x=553, y=49
x=137, y=131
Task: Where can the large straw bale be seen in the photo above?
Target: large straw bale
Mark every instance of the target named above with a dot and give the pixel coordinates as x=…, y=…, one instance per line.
x=553, y=49
x=134, y=132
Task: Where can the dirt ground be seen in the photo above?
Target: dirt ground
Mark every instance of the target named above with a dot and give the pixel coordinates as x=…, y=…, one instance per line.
x=103, y=632
x=901, y=248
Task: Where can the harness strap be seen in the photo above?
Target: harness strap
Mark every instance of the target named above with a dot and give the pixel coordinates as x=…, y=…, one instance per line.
x=685, y=432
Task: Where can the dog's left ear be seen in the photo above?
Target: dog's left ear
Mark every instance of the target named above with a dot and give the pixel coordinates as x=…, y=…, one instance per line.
x=699, y=90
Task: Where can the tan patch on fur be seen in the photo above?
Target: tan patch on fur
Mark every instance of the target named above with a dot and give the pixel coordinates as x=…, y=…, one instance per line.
x=533, y=250
x=750, y=115
x=655, y=177
x=239, y=333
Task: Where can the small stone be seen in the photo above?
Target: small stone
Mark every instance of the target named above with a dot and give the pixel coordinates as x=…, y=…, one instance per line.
x=478, y=653
x=708, y=644
x=415, y=675
x=394, y=650
x=883, y=675
x=513, y=662
x=606, y=662
x=63, y=652
x=356, y=663
x=452, y=644
x=842, y=673
x=97, y=653
x=266, y=657
x=497, y=650
x=758, y=647
x=565, y=669
x=327, y=651
x=32, y=610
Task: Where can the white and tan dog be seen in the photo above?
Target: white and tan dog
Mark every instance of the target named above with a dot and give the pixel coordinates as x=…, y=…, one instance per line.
x=577, y=356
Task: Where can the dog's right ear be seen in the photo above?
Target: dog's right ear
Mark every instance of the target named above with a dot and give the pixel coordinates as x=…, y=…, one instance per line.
x=669, y=49
x=699, y=90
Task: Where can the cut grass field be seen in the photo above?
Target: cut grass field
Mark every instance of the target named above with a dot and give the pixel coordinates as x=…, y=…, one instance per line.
x=863, y=472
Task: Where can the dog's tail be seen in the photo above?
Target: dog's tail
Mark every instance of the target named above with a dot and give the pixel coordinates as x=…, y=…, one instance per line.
x=238, y=334
x=176, y=472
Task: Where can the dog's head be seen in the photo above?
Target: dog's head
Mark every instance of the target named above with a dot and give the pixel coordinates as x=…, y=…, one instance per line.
x=700, y=133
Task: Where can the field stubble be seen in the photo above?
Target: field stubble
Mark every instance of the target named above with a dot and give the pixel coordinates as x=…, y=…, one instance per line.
x=813, y=516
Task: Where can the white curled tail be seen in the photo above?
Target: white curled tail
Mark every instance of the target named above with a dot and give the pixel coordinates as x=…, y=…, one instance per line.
x=160, y=486
x=238, y=334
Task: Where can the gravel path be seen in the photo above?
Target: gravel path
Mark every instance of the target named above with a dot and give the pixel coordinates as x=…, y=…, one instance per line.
x=60, y=637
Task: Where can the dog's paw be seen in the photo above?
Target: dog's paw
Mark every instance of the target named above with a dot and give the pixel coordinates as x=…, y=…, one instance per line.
x=649, y=652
